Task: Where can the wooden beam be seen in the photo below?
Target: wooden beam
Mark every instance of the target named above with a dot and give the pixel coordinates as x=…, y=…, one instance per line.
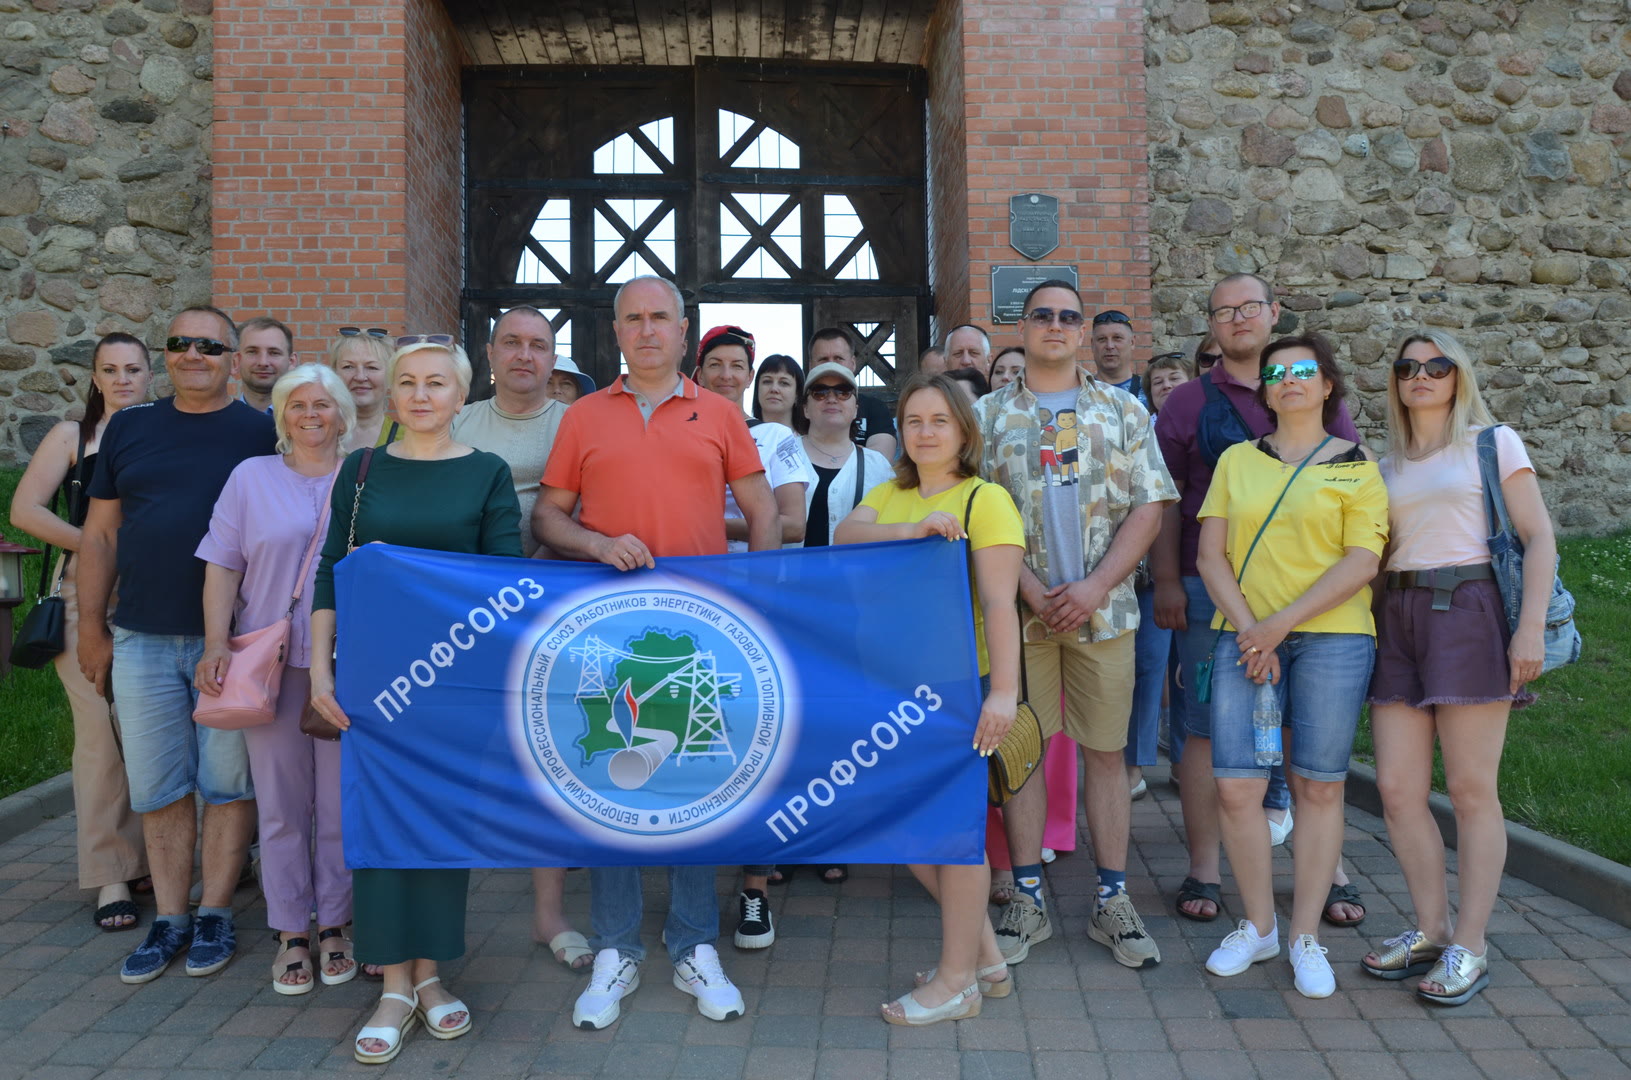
x=869, y=31
x=894, y=31
x=699, y=21
x=677, y=33
x=818, y=19
x=589, y=36
x=648, y=17
x=504, y=39
x=626, y=29
x=917, y=32
x=845, y=26
x=546, y=24
x=772, y=29
x=748, y=21
x=478, y=42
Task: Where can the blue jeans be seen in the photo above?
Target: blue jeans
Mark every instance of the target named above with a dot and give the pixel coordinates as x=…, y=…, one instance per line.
x=1150, y=649
x=616, y=908
x=1323, y=679
x=167, y=756
x=1195, y=717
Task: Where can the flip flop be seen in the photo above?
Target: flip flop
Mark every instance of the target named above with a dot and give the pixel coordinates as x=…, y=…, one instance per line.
x=1192, y=889
x=843, y=874
x=568, y=947
x=114, y=911
x=781, y=875
x=1343, y=894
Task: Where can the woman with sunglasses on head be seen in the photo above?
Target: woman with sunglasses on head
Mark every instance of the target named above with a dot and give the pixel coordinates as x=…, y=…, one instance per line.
x=1292, y=531
x=111, y=852
x=424, y=490
x=1448, y=669
x=936, y=488
x=359, y=357
x=778, y=391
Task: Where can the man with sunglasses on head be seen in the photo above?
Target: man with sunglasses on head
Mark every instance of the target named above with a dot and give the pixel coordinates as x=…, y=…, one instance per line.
x=1079, y=459
x=1201, y=419
x=161, y=467
x=1112, y=340
x=265, y=352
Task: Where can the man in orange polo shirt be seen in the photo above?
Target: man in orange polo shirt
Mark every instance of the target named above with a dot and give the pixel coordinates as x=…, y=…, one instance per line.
x=646, y=462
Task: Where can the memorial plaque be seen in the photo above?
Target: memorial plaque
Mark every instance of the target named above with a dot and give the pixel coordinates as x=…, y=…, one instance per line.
x=1011, y=284
x=1033, y=224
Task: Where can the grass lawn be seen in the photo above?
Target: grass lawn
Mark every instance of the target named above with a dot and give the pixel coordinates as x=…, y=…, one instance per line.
x=1567, y=765
x=36, y=729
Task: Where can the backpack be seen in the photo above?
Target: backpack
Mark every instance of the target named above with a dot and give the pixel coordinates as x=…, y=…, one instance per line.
x=1220, y=424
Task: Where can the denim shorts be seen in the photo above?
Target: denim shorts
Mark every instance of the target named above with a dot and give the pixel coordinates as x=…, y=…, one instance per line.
x=167, y=756
x=1323, y=679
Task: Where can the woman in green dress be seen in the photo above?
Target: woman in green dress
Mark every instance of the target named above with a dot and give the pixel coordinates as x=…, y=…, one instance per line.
x=427, y=491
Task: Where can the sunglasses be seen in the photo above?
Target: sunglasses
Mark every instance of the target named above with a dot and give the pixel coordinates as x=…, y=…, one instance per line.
x=206, y=346
x=1172, y=356
x=1207, y=359
x=423, y=339
x=1302, y=370
x=826, y=390
x=1111, y=317
x=1437, y=367
x=1043, y=316
x=357, y=331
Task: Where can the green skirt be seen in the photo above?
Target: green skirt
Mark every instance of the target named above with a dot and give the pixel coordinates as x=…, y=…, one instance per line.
x=404, y=915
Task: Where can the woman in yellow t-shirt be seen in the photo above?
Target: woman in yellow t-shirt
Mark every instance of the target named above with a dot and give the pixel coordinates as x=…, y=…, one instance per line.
x=1287, y=557
x=936, y=488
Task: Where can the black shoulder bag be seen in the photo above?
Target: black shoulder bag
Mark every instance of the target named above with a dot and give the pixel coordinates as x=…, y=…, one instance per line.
x=1219, y=425
x=43, y=635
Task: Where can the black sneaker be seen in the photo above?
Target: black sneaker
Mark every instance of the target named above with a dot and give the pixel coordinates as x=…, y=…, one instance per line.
x=754, y=927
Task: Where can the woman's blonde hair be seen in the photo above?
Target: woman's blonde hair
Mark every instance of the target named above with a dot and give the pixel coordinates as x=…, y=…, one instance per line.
x=461, y=364
x=304, y=375
x=376, y=345
x=968, y=459
x=1467, y=412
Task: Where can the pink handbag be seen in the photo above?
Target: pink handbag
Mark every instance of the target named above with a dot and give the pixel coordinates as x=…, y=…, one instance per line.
x=249, y=693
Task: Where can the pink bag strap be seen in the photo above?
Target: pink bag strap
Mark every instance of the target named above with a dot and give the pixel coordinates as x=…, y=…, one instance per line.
x=316, y=538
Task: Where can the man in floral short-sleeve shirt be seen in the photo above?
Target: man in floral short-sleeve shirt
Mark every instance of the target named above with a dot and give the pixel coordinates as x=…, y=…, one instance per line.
x=1080, y=459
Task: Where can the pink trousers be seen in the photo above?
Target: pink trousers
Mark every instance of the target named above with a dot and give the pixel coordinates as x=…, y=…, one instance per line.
x=1059, y=771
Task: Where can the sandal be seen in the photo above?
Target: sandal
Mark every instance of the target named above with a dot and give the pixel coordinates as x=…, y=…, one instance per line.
x=827, y=871
x=391, y=1036
x=1343, y=894
x=1192, y=890
x=961, y=1006
x=117, y=910
x=1411, y=953
x=1002, y=888
x=344, y=951
x=280, y=969
x=434, y=1015
x=1459, y=975
x=781, y=875
x=141, y=886
x=569, y=947
x=985, y=978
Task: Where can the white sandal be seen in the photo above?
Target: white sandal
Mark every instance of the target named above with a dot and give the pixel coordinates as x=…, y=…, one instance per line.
x=986, y=979
x=391, y=1036
x=960, y=1006
x=434, y=1015
x=571, y=947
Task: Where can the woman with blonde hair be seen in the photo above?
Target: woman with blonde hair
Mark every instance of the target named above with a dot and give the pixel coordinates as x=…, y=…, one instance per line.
x=1449, y=669
x=265, y=521
x=360, y=356
x=423, y=490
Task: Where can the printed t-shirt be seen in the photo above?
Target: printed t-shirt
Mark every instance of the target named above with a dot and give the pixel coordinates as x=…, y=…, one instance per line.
x=167, y=467
x=785, y=463
x=1436, y=505
x=1175, y=430
x=873, y=416
x=522, y=439
x=662, y=479
x=1332, y=507
x=994, y=521
x=1061, y=476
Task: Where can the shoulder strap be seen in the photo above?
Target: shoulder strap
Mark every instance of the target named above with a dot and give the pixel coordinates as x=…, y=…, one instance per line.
x=860, y=471
x=1489, y=472
x=1241, y=575
x=316, y=540
x=76, y=489
x=356, y=498
x=1214, y=392
x=968, y=550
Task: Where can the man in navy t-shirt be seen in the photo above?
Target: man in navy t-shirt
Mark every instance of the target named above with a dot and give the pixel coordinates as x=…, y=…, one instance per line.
x=1112, y=342
x=162, y=466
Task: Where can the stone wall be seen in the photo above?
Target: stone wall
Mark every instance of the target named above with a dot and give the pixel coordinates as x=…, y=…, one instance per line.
x=104, y=189
x=1390, y=165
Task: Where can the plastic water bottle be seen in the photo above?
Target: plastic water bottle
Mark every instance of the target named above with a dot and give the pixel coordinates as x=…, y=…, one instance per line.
x=1266, y=724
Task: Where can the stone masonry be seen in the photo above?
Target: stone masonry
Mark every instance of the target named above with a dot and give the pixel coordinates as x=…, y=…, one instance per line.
x=104, y=189
x=1390, y=165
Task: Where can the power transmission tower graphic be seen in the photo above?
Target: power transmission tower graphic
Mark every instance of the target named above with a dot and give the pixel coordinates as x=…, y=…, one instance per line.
x=591, y=675
x=705, y=724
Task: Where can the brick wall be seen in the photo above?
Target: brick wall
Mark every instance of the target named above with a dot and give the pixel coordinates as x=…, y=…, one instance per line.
x=319, y=216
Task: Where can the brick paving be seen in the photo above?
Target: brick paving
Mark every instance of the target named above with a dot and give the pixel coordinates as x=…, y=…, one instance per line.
x=1559, y=1003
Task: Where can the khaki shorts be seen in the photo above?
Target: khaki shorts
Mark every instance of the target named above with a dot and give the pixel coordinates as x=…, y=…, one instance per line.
x=1098, y=688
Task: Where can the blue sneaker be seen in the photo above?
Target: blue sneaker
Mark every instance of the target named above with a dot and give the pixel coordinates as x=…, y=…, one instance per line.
x=214, y=941
x=154, y=954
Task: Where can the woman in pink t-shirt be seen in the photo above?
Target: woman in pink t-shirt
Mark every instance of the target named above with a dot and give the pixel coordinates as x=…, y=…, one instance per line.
x=1447, y=667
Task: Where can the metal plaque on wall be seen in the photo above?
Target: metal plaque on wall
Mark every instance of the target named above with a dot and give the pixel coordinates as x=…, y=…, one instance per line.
x=1011, y=284
x=1033, y=224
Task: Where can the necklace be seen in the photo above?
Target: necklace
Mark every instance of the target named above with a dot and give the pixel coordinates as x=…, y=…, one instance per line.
x=835, y=460
x=1288, y=460
x=1425, y=454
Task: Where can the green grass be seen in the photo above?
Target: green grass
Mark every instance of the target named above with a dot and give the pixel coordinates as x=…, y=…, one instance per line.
x=1566, y=770
x=36, y=728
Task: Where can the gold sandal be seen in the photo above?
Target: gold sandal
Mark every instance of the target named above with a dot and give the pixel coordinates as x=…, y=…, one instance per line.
x=1411, y=953
x=1459, y=974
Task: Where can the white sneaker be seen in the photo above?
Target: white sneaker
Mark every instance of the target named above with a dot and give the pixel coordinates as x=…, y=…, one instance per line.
x=1313, y=973
x=1243, y=948
x=1278, y=833
x=701, y=976
x=614, y=978
x=1048, y=855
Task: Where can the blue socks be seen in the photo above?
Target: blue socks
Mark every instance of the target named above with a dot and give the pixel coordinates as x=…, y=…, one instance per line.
x=183, y=921
x=1111, y=882
x=1029, y=880
x=223, y=912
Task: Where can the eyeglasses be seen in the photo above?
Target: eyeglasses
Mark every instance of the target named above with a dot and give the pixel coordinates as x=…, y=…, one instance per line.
x=1437, y=367
x=372, y=331
x=206, y=346
x=1044, y=316
x=423, y=339
x=1248, y=310
x=1111, y=317
x=827, y=390
x=1302, y=370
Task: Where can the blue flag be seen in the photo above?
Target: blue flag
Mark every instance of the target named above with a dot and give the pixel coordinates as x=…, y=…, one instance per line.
x=804, y=706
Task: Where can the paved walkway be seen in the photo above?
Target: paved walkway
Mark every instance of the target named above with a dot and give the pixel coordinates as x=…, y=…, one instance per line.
x=1559, y=1003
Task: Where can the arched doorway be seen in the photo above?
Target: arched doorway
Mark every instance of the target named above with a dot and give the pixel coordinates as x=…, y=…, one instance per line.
x=741, y=181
